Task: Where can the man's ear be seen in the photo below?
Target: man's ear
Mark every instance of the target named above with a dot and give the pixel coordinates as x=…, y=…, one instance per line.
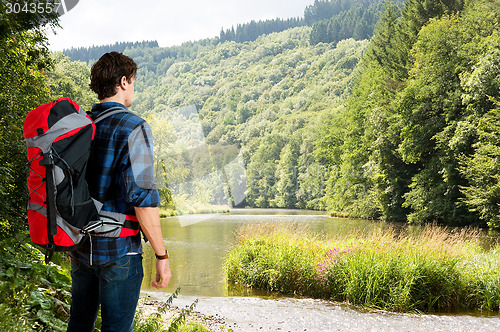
x=123, y=82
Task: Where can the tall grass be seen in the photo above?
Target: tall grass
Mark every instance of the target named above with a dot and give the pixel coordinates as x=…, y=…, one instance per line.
x=433, y=270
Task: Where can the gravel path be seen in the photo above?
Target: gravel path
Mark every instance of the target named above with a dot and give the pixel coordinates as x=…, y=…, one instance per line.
x=247, y=314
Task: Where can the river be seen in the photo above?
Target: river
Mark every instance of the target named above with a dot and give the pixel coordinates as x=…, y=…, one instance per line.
x=197, y=245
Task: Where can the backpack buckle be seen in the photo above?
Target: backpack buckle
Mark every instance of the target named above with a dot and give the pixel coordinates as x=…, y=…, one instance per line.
x=47, y=159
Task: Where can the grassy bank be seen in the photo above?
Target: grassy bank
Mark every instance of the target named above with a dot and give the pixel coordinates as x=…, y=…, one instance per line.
x=434, y=270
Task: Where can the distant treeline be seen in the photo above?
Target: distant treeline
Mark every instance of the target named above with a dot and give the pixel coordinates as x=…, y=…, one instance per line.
x=331, y=22
x=251, y=31
x=88, y=54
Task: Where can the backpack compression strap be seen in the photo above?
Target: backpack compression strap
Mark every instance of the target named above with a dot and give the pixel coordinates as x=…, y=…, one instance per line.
x=48, y=162
x=109, y=112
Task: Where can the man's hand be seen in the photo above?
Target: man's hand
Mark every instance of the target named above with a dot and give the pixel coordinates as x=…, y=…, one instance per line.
x=163, y=274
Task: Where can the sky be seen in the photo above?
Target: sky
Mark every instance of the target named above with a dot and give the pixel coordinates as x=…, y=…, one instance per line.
x=101, y=22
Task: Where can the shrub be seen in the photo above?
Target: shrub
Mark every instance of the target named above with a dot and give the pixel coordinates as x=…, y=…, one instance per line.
x=33, y=296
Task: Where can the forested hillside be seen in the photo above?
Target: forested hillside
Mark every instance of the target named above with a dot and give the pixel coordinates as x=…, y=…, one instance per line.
x=264, y=99
x=267, y=98
x=402, y=127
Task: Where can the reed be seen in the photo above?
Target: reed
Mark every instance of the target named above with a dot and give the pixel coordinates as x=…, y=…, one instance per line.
x=432, y=270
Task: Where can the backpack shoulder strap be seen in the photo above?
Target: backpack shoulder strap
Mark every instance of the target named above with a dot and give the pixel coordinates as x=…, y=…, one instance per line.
x=109, y=112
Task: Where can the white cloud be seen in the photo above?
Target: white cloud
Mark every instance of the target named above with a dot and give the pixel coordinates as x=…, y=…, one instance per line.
x=98, y=22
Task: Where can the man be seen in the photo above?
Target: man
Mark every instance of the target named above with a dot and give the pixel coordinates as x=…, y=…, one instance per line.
x=107, y=272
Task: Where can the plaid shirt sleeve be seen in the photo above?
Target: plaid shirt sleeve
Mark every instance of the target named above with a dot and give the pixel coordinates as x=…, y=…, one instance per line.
x=138, y=173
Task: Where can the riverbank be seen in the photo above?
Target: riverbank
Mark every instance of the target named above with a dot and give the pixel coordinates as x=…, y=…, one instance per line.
x=433, y=270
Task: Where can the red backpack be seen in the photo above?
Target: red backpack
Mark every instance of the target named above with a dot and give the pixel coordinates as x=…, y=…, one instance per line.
x=61, y=212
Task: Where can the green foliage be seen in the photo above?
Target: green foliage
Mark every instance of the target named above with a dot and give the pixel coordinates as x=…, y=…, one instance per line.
x=434, y=270
x=479, y=273
x=401, y=282
x=71, y=79
x=482, y=171
x=440, y=117
x=286, y=172
x=24, y=56
x=282, y=262
x=15, y=22
x=415, y=15
x=34, y=296
x=384, y=48
x=430, y=106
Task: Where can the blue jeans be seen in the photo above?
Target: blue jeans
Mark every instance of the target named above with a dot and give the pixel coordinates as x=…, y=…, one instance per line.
x=114, y=286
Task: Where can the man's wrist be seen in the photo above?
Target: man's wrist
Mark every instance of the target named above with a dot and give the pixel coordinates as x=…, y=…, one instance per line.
x=165, y=256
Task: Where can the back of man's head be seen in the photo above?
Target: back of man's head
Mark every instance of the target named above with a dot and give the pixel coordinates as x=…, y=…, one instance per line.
x=108, y=71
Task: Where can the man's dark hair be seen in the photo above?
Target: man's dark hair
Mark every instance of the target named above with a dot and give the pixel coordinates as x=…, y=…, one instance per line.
x=108, y=71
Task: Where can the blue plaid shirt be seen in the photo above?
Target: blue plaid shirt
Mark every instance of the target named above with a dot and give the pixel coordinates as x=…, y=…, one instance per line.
x=120, y=175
